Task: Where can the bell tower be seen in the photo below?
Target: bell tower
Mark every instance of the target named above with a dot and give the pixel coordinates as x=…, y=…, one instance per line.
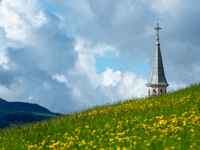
x=157, y=83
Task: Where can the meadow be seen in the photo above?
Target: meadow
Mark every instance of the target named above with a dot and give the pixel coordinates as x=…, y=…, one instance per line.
x=164, y=122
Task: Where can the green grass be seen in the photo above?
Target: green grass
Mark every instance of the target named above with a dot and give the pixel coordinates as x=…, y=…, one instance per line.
x=45, y=115
x=167, y=122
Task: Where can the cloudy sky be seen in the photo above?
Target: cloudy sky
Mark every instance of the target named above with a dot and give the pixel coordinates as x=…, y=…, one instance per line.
x=73, y=54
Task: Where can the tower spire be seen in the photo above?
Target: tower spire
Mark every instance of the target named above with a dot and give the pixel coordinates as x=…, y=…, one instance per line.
x=157, y=82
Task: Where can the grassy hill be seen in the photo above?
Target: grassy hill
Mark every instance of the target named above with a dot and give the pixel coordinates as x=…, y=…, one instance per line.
x=166, y=122
x=13, y=113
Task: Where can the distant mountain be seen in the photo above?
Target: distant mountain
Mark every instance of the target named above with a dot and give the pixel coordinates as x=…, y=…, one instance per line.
x=13, y=113
x=2, y=101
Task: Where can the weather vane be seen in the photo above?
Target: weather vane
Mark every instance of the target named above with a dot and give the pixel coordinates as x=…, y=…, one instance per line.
x=158, y=28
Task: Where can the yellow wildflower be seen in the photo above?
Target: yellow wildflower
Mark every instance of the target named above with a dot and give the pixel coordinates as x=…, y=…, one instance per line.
x=184, y=123
x=118, y=148
x=111, y=140
x=87, y=127
x=154, y=137
x=179, y=138
x=30, y=146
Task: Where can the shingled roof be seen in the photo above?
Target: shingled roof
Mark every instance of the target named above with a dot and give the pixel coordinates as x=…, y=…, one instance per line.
x=157, y=76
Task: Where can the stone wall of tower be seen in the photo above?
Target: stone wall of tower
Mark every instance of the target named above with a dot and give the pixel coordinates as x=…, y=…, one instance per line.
x=156, y=90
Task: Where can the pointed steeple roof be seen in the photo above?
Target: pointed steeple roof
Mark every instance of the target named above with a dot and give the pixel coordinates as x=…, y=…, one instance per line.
x=157, y=76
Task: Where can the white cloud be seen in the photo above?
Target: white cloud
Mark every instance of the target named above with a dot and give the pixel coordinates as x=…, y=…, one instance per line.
x=129, y=86
x=85, y=46
x=19, y=17
x=173, y=8
x=110, y=78
x=60, y=78
x=111, y=85
x=86, y=66
x=3, y=60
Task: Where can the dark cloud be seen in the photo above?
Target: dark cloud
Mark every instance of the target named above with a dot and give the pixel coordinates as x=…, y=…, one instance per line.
x=24, y=72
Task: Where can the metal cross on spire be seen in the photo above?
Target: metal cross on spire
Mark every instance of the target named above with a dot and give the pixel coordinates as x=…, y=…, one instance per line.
x=158, y=28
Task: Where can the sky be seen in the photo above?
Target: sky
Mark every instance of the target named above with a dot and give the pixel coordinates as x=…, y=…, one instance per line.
x=71, y=55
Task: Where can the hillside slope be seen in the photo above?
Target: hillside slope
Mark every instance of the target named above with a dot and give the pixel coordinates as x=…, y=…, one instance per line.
x=13, y=113
x=167, y=122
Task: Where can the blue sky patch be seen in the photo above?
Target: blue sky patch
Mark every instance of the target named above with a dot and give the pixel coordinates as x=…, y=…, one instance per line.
x=140, y=67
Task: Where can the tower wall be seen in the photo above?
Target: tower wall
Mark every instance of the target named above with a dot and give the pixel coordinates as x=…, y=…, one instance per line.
x=156, y=90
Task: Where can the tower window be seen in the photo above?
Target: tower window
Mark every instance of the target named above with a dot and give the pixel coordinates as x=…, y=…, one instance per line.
x=161, y=91
x=154, y=91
